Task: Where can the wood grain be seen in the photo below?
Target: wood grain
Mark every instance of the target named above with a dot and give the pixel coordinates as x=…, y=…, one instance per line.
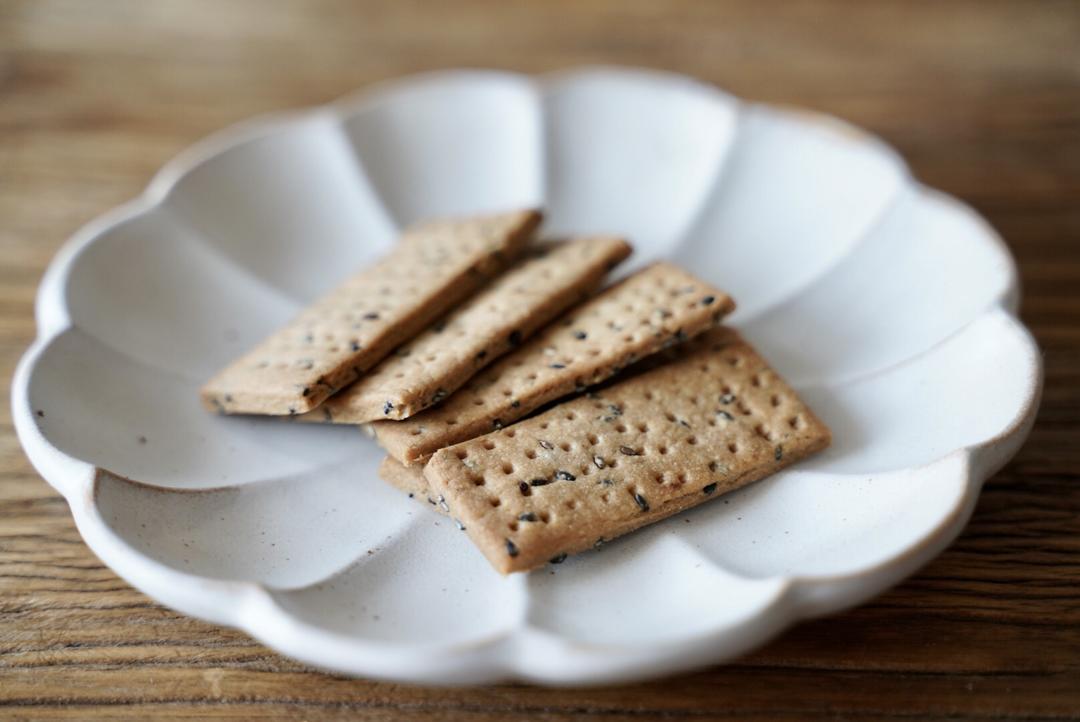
x=983, y=98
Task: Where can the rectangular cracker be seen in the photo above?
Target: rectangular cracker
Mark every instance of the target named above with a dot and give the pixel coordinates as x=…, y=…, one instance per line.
x=433, y=266
x=411, y=481
x=497, y=319
x=654, y=308
x=641, y=450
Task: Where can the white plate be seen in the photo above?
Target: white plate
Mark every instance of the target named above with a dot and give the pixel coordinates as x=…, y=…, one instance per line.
x=889, y=306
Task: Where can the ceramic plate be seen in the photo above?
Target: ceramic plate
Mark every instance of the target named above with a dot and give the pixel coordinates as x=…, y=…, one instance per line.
x=890, y=306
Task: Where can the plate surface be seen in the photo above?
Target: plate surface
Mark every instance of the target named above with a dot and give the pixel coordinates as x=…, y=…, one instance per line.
x=889, y=306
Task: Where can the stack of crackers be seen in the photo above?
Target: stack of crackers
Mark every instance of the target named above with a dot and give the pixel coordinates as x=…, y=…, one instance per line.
x=545, y=415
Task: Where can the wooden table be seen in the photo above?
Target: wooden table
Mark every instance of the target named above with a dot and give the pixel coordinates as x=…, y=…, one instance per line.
x=982, y=98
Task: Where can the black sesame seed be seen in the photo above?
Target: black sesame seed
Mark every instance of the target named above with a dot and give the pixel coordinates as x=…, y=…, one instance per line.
x=515, y=338
x=580, y=335
x=615, y=409
x=559, y=559
x=779, y=453
x=558, y=366
x=388, y=407
x=306, y=391
x=41, y=414
x=599, y=461
x=292, y=411
x=354, y=345
x=527, y=516
x=547, y=444
x=431, y=501
x=641, y=501
x=725, y=415
x=411, y=495
x=683, y=422
x=565, y=476
x=371, y=316
x=480, y=356
x=460, y=526
x=514, y=403
x=727, y=398
x=629, y=451
x=708, y=300
x=708, y=489
x=511, y=548
x=497, y=423
x=599, y=543
x=440, y=394
x=607, y=482
x=524, y=488
x=539, y=482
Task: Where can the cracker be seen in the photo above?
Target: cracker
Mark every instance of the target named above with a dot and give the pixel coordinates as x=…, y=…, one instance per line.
x=643, y=449
x=497, y=319
x=654, y=308
x=412, y=482
x=332, y=342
